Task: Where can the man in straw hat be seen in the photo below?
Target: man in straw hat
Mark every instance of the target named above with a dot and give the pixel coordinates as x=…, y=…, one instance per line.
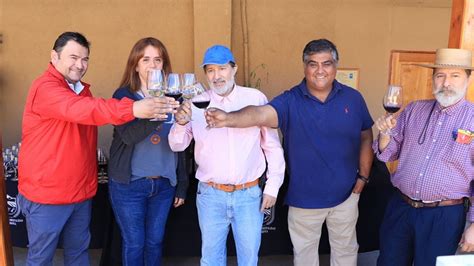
x=433, y=143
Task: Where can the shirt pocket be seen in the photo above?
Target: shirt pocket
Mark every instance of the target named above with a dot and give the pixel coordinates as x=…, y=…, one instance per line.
x=461, y=154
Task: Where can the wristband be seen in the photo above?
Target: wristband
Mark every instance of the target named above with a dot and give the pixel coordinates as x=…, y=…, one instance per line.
x=363, y=178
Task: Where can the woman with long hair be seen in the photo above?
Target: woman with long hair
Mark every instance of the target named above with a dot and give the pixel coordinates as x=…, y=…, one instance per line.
x=145, y=176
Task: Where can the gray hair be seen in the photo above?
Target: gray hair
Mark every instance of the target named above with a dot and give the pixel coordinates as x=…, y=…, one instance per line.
x=318, y=46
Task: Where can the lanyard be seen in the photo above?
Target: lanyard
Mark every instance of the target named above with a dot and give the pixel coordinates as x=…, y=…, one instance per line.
x=422, y=137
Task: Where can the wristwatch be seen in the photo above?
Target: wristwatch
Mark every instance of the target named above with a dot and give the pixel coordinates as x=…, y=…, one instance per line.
x=363, y=178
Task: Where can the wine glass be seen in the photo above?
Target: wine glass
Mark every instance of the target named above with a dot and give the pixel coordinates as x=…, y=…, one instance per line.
x=189, y=92
x=173, y=90
x=189, y=79
x=202, y=97
x=189, y=82
x=202, y=100
x=156, y=84
x=174, y=86
x=392, y=101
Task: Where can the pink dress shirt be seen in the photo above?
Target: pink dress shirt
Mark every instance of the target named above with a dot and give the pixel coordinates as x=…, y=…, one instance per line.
x=232, y=155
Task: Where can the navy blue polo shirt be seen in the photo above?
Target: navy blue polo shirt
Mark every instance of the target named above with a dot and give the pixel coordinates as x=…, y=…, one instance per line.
x=321, y=142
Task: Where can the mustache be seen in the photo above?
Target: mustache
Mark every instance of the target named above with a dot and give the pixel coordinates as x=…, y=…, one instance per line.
x=219, y=80
x=444, y=89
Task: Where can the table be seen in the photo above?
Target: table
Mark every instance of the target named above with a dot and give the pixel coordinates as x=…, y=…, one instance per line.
x=98, y=224
x=182, y=235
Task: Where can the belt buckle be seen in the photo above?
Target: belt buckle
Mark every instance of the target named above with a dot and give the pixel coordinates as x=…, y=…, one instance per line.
x=232, y=187
x=416, y=204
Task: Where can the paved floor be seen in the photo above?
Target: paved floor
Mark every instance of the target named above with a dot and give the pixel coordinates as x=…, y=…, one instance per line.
x=365, y=259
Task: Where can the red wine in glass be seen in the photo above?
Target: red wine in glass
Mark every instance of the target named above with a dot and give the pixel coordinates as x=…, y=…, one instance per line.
x=392, y=100
x=391, y=109
x=202, y=104
x=176, y=96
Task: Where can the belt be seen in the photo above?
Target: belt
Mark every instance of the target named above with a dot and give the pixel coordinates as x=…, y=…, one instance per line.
x=154, y=176
x=420, y=204
x=232, y=188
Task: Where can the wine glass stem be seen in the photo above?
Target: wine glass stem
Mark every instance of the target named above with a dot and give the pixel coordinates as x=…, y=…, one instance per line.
x=388, y=131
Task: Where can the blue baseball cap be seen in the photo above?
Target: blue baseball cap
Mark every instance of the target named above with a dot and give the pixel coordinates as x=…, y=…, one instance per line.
x=217, y=55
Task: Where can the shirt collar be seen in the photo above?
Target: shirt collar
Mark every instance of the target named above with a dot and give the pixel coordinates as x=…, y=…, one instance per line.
x=230, y=97
x=76, y=87
x=336, y=87
x=52, y=70
x=452, y=109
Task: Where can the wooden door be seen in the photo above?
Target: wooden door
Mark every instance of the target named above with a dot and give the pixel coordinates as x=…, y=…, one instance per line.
x=415, y=80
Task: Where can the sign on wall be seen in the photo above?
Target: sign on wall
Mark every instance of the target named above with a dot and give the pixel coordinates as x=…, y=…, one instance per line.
x=348, y=76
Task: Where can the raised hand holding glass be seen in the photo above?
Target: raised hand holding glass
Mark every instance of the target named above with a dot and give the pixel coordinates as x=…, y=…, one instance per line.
x=392, y=101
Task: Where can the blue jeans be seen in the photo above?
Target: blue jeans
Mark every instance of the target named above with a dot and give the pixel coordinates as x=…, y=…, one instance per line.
x=47, y=223
x=417, y=236
x=141, y=209
x=217, y=211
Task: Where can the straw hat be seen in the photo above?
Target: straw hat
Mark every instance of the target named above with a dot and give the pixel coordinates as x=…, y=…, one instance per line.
x=451, y=58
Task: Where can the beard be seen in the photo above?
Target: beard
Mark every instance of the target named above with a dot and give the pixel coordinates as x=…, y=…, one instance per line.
x=449, y=96
x=222, y=90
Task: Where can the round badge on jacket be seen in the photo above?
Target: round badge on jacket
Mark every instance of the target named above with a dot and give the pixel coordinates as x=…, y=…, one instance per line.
x=155, y=138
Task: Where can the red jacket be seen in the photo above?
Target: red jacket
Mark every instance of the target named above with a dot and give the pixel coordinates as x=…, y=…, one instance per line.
x=57, y=160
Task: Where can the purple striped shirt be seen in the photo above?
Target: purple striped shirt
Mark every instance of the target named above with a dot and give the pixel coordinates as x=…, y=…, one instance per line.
x=439, y=168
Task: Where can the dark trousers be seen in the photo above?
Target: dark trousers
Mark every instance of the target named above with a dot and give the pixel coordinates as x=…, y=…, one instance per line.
x=409, y=235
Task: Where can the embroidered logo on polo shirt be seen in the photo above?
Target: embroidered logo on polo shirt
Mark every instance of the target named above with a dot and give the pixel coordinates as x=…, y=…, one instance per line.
x=346, y=110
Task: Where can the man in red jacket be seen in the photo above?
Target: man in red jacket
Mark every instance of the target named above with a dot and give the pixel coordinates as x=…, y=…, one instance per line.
x=57, y=164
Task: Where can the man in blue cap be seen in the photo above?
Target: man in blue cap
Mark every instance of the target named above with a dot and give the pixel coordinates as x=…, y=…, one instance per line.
x=230, y=162
x=327, y=130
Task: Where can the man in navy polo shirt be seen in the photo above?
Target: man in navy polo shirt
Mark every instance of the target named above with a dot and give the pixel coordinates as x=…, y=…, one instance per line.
x=327, y=130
